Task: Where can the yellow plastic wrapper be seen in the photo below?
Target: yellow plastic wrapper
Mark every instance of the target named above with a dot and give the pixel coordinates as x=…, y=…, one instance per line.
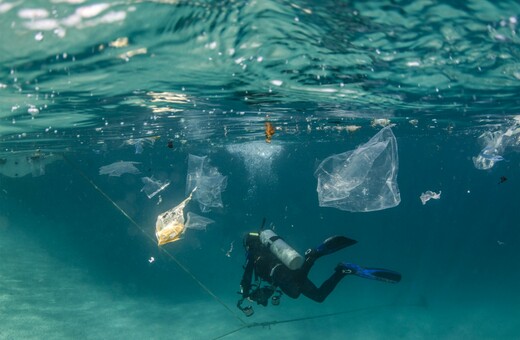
x=170, y=224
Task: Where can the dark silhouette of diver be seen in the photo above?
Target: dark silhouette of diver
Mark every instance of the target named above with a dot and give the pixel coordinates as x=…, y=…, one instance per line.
x=272, y=276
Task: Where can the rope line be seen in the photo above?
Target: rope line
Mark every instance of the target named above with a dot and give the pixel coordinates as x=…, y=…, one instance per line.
x=321, y=316
x=183, y=267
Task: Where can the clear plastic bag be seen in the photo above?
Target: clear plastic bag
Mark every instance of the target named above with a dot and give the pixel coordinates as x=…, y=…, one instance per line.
x=170, y=226
x=361, y=180
x=197, y=222
x=153, y=187
x=208, y=180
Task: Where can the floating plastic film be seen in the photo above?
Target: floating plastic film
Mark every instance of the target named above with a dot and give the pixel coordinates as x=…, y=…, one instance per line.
x=119, y=168
x=428, y=195
x=153, y=187
x=209, y=183
x=495, y=144
x=361, y=180
x=197, y=222
x=170, y=226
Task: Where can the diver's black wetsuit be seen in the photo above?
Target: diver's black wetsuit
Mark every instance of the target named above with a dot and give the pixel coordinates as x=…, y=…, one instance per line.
x=266, y=266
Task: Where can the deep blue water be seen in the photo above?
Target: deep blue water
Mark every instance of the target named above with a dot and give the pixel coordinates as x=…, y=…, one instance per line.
x=81, y=81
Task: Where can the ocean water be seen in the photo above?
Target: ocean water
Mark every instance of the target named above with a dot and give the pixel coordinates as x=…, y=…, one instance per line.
x=86, y=84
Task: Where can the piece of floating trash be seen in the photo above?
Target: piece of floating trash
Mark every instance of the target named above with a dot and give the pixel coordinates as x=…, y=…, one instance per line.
x=138, y=143
x=119, y=168
x=352, y=128
x=428, y=195
x=228, y=253
x=208, y=180
x=153, y=187
x=502, y=179
x=269, y=132
x=361, y=180
x=170, y=225
x=119, y=42
x=380, y=122
x=500, y=243
x=151, y=260
x=348, y=128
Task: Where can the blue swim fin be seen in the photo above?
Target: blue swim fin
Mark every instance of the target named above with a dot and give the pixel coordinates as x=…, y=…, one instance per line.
x=369, y=273
x=331, y=245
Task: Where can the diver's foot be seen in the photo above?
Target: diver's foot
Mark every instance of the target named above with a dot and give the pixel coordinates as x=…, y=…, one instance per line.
x=368, y=273
x=347, y=268
x=329, y=246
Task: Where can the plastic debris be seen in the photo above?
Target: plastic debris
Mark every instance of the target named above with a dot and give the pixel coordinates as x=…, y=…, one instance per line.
x=153, y=187
x=492, y=152
x=383, y=122
x=361, y=180
x=119, y=168
x=495, y=144
x=151, y=260
x=352, y=128
x=198, y=222
x=228, y=253
x=208, y=180
x=428, y=195
x=138, y=143
x=170, y=226
x=269, y=132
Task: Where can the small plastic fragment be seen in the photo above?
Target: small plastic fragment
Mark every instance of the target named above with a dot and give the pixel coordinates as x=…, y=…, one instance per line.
x=428, y=195
x=119, y=168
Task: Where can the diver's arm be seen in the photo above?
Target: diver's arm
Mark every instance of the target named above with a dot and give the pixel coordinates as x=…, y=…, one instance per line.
x=245, y=283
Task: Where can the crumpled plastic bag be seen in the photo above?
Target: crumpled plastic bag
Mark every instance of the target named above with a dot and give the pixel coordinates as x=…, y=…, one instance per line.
x=208, y=180
x=494, y=145
x=153, y=187
x=170, y=226
x=361, y=180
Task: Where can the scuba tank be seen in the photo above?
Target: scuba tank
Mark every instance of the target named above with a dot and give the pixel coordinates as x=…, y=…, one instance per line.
x=281, y=250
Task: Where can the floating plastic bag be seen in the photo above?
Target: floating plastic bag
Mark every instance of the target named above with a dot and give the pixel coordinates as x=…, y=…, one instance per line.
x=209, y=183
x=198, y=222
x=361, y=180
x=494, y=146
x=119, y=168
x=496, y=143
x=170, y=226
x=153, y=187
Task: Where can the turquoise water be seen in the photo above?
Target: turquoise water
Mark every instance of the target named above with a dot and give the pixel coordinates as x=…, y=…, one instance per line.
x=85, y=84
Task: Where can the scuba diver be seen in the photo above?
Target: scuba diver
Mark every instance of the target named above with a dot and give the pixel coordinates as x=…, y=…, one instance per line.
x=283, y=270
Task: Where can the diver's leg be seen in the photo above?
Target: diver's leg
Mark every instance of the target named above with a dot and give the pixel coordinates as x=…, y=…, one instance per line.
x=287, y=280
x=320, y=294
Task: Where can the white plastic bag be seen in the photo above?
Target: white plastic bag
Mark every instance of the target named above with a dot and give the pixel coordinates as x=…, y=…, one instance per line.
x=361, y=180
